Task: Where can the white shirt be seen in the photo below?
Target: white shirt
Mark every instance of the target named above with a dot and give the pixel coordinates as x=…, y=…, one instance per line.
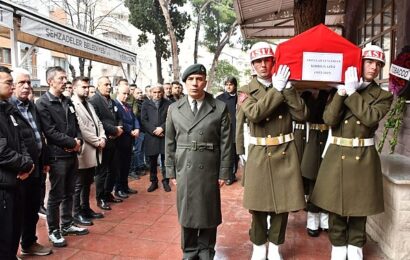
x=198, y=102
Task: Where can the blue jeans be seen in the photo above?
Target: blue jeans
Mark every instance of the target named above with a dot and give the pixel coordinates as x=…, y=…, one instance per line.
x=137, y=159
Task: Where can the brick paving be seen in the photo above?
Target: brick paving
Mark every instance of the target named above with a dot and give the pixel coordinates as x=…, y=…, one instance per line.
x=145, y=226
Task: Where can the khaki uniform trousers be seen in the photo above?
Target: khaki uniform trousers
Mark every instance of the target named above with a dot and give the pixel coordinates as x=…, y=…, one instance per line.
x=347, y=230
x=259, y=232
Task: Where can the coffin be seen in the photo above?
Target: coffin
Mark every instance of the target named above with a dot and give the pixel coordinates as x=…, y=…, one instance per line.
x=318, y=57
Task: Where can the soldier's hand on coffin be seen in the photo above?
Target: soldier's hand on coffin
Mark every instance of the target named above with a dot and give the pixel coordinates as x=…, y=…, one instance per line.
x=351, y=80
x=280, y=78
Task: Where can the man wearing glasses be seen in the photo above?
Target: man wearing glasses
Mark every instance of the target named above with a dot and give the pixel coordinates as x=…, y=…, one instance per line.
x=28, y=121
x=15, y=167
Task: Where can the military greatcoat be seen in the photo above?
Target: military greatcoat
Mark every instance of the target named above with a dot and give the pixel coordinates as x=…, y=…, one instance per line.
x=273, y=179
x=312, y=156
x=198, y=153
x=349, y=182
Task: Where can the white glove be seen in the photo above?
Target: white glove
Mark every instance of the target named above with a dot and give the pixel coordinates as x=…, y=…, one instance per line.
x=280, y=78
x=351, y=80
x=341, y=89
x=288, y=85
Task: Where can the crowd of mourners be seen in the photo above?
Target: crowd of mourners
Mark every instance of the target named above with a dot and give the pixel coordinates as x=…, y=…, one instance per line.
x=309, y=149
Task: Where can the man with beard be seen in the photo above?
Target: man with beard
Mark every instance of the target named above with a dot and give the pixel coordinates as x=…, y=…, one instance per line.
x=94, y=142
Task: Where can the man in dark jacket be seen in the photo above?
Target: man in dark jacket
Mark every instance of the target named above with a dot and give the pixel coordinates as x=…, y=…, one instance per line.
x=198, y=161
x=64, y=141
x=107, y=112
x=153, y=118
x=230, y=98
x=137, y=159
x=15, y=166
x=28, y=121
x=131, y=129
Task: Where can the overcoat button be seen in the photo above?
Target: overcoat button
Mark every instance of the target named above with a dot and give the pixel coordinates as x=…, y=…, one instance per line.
x=283, y=153
x=201, y=166
x=201, y=133
x=320, y=142
x=280, y=134
x=280, y=116
x=346, y=122
x=269, y=154
x=343, y=157
x=267, y=119
x=357, y=157
x=358, y=122
x=269, y=136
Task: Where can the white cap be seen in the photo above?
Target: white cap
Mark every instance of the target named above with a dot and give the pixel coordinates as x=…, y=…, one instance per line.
x=261, y=50
x=373, y=52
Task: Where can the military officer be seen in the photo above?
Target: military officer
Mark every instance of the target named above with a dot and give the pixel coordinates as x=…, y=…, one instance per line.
x=273, y=183
x=349, y=182
x=317, y=133
x=198, y=159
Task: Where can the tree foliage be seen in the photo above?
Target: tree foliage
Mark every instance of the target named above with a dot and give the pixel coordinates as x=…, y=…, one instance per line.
x=219, y=22
x=223, y=70
x=147, y=16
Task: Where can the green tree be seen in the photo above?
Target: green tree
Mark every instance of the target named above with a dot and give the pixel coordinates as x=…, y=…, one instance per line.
x=147, y=16
x=223, y=70
x=219, y=21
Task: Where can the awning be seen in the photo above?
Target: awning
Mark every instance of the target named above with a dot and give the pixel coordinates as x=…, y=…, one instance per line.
x=273, y=19
x=45, y=33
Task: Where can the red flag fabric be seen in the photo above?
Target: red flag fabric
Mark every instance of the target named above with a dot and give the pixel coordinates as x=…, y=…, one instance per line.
x=319, y=39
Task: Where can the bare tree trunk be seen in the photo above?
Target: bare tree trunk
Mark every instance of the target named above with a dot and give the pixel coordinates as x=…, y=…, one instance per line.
x=198, y=28
x=218, y=52
x=158, y=55
x=72, y=69
x=90, y=67
x=81, y=62
x=308, y=13
x=174, y=45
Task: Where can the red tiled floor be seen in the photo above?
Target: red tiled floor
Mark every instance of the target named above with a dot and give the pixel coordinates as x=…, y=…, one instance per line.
x=145, y=227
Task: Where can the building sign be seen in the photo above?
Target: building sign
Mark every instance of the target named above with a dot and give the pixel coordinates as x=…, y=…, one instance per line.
x=61, y=36
x=400, y=72
x=6, y=18
x=320, y=66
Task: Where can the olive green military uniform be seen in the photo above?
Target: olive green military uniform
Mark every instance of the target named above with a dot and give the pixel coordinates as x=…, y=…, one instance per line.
x=198, y=154
x=273, y=183
x=349, y=183
x=318, y=133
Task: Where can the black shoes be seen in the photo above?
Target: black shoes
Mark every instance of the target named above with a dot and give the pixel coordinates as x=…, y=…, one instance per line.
x=111, y=198
x=82, y=220
x=313, y=233
x=102, y=204
x=154, y=186
x=121, y=194
x=91, y=214
x=131, y=191
x=167, y=188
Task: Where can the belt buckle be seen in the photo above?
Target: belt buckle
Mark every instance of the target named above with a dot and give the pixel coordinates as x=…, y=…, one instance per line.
x=194, y=145
x=346, y=142
x=272, y=141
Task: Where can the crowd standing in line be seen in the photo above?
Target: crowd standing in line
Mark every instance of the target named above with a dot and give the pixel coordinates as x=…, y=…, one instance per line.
x=78, y=134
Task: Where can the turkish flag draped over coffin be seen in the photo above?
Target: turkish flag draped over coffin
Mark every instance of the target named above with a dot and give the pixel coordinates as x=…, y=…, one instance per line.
x=319, y=55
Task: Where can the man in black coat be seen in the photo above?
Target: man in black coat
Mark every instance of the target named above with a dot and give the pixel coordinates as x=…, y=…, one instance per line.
x=15, y=167
x=153, y=118
x=28, y=121
x=107, y=171
x=64, y=140
x=230, y=99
